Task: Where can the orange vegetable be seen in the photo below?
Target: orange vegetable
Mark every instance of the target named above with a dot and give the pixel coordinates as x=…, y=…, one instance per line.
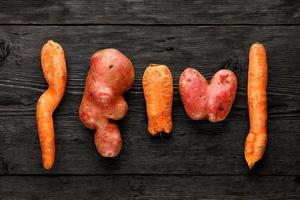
x=55, y=73
x=256, y=141
x=158, y=91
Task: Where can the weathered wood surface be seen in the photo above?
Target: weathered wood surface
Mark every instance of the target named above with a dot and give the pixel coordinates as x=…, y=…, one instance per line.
x=200, y=160
x=150, y=187
x=195, y=147
x=150, y=12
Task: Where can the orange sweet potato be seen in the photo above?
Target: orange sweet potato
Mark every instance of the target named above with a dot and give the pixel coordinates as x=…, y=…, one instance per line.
x=111, y=74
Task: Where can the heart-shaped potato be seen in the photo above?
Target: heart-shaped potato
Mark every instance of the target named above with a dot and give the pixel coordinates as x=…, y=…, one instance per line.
x=203, y=100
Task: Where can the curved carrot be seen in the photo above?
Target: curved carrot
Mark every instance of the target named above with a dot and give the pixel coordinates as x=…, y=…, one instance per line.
x=256, y=141
x=55, y=73
x=158, y=91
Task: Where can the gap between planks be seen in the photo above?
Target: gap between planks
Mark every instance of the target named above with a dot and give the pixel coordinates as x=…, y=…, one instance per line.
x=250, y=174
x=137, y=24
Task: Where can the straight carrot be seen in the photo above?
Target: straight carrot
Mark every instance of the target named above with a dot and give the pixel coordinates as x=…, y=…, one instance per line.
x=158, y=91
x=256, y=140
x=54, y=70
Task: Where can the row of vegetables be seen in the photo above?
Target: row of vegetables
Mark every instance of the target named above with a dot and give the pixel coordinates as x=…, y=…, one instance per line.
x=111, y=74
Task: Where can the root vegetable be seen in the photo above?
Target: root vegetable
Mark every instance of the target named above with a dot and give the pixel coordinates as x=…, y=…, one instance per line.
x=111, y=74
x=55, y=73
x=256, y=140
x=203, y=100
x=158, y=92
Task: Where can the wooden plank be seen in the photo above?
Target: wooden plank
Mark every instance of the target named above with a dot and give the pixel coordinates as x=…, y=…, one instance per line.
x=149, y=187
x=195, y=147
x=150, y=12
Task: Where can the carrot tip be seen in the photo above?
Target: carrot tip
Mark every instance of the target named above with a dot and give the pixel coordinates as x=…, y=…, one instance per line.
x=47, y=166
x=251, y=165
x=51, y=42
x=153, y=65
x=250, y=162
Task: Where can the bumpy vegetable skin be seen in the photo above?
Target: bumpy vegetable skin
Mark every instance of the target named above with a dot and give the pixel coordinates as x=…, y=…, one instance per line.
x=158, y=92
x=256, y=140
x=203, y=100
x=55, y=72
x=111, y=74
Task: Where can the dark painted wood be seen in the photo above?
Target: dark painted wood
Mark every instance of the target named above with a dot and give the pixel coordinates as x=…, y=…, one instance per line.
x=195, y=147
x=200, y=160
x=150, y=187
x=150, y=12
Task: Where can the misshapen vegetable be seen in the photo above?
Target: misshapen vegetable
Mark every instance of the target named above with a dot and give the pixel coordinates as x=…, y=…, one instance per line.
x=256, y=141
x=158, y=92
x=55, y=72
x=202, y=100
x=111, y=74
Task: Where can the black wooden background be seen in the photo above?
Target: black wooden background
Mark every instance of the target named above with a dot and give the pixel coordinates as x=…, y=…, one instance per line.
x=200, y=160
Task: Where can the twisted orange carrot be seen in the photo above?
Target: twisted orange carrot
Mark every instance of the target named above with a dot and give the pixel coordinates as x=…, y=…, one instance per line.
x=257, y=104
x=55, y=73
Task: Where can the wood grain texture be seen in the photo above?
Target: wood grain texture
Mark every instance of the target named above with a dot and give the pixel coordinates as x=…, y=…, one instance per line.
x=150, y=187
x=195, y=147
x=150, y=12
x=200, y=160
